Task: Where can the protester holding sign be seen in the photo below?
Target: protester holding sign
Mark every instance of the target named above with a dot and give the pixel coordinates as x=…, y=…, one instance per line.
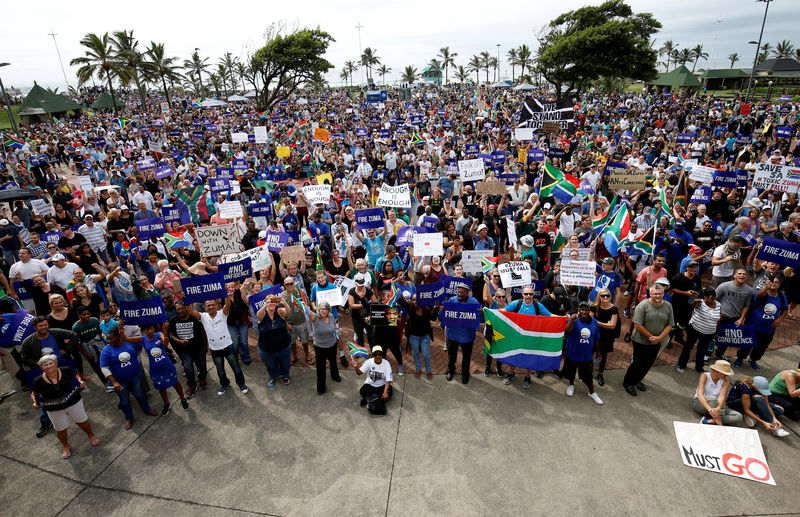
x=274, y=340
x=458, y=336
x=735, y=298
x=767, y=310
x=326, y=340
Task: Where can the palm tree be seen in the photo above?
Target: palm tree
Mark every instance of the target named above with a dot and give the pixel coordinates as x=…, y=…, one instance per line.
x=524, y=59
x=351, y=67
x=697, y=54
x=485, y=57
x=797, y=54
x=101, y=60
x=435, y=70
x=317, y=82
x=733, y=58
x=125, y=46
x=475, y=65
x=765, y=49
x=216, y=82
x=409, y=74
x=682, y=56
x=368, y=59
x=197, y=66
x=495, y=66
x=666, y=50
x=241, y=71
x=162, y=66
x=448, y=60
x=383, y=70
x=228, y=62
x=343, y=75
x=784, y=49
x=222, y=75
x=511, y=57
x=462, y=74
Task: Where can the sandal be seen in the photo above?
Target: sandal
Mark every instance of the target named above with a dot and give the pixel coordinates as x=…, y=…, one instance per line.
x=67, y=454
x=310, y=362
x=95, y=442
x=287, y=381
x=293, y=362
x=128, y=424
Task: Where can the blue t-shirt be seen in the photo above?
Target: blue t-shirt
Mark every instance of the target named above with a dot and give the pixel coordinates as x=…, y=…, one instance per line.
x=374, y=248
x=461, y=334
x=581, y=340
x=534, y=309
x=765, y=314
x=610, y=281
x=160, y=365
x=121, y=360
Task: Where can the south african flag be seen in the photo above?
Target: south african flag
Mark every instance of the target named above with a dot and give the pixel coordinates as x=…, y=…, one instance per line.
x=357, y=351
x=488, y=263
x=416, y=138
x=122, y=122
x=13, y=141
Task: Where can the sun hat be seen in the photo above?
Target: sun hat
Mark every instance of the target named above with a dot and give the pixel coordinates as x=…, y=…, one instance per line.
x=723, y=367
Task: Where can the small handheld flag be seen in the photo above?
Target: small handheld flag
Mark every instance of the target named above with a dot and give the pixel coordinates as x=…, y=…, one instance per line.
x=357, y=351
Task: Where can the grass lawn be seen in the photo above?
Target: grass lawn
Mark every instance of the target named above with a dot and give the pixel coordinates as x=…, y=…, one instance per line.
x=5, y=123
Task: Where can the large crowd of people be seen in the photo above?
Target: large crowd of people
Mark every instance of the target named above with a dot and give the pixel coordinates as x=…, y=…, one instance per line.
x=73, y=254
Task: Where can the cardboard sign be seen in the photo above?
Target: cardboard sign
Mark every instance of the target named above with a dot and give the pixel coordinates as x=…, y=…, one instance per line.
x=551, y=128
x=231, y=210
x=633, y=179
x=317, y=194
x=218, y=240
x=471, y=260
x=614, y=167
x=395, y=197
x=321, y=134
x=784, y=253
x=492, y=188
x=728, y=450
x=471, y=170
x=260, y=133
x=260, y=257
x=514, y=273
x=578, y=272
x=428, y=244
x=41, y=207
x=776, y=177
x=239, y=138
x=204, y=287
x=523, y=134
x=465, y=315
x=293, y=253
x=702, y=174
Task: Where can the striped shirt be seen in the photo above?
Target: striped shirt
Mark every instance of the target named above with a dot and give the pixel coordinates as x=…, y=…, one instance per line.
x=704, y=318
x=95, y=236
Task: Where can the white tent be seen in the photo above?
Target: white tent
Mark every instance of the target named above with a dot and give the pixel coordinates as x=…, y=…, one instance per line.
x=302, y=101
x=524, y=87
x=212, y=103
x=251, y=94
x=501, y=84
x=237, y=98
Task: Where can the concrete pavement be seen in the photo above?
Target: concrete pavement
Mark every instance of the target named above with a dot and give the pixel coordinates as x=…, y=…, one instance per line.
x=443, y=449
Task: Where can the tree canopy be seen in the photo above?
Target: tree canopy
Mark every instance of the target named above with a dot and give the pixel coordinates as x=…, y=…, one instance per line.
x=610, y=40
x=287, y=61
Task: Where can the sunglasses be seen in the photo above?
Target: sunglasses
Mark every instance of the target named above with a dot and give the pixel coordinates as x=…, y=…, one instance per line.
x=500, y=297
x=605, y=296
x=527, y=294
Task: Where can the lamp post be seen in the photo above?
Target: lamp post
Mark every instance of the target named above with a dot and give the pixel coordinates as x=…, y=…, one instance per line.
x=758, y=48
x=769, y=91
x=8, y=104
x=498, y=62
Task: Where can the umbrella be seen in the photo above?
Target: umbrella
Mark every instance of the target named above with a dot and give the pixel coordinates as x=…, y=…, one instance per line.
x=212, y=103
x=237, y=98
x=14, y=194
x=524, y=87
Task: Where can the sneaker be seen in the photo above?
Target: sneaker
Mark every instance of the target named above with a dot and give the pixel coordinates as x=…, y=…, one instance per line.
x=448, y=376
x=737, y=363
x=109, y=388
x=596, y=398
x=539, y=375
x=526, y=383
x=487, y=372
x=400, y=371
x=185, y=405
x=271, y=385
x=444, y=347
x=558, y=374
x=570, y=390
x=780, y=432
x=508, y=379
x=221, y=391
x=627, y=313
x=680, y=370
x=754, y=365
x=191, y=391
x=500, y=372
x=627, y=337
x=203, y=385
x=244, y=388
x=749, y=422
x=165, y=411
x=343, y=361
x=703, y=420
x=44, y=429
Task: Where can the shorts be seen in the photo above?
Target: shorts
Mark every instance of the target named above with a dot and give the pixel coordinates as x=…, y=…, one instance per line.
x=299, y=331
x=61, y=418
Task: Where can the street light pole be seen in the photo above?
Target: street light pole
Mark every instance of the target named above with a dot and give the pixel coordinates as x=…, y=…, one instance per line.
x=758, y=49
x=59, y=60
x=498, y=62
x=359, y=27
x=8, y=105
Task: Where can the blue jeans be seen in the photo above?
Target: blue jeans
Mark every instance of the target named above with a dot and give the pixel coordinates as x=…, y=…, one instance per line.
x=190, y=360
x=421, y=345
x=133, y=386
x=277, y=363
x=227, y=354
x=238, y=334
x=758, y=406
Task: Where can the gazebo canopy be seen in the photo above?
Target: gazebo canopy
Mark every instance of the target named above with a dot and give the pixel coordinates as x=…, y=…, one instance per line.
x=105, y=102
x=524, y=87
x=237, y=98
x=680, y=77
x=50, y=102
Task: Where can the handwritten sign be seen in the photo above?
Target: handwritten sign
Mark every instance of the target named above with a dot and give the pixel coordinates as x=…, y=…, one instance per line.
x=293, y=253
x=777, y=177
x=633, y=179
x=428, y=244
x=514, y=273
x=398, y=197
x=471, y=170
x=218, y=240
x=703, y=174
x=493, y=188
x=321, y=134
x=231, y=210
x=578, y=272
x=317, y=194
x=260, y=257
x=332, y=296
x=41, y=207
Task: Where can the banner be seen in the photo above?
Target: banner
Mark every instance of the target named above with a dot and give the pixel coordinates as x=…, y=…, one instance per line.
x=743, y=336
x=777, y=177
x=204, y=287
x=614, y=167
x=231, y=210
x=703, y=174
x=317, y=194
x=471, y=170
x=728, y=450
x=783, y=132
x=218, y=240
x=395, y=197
x=723, y=178
x=466, y=315
x=405, y=234
x=260, y=298
x=428, y=244
x=684, y=138
x=369, y=218
x=153, y=227
x=429, y=294
x=514, y=273
x=276, y=241
x=784, y=253
x=450, y=284
x=164, y=171
x=260, y=257
x=535, y=113
x=148, y=311
x=701, y=194
x=535, y=155
x=578, y=272
x=239, y=270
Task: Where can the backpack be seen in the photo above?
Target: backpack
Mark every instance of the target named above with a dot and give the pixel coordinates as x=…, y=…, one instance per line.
x=376, y=405
x=535, y=307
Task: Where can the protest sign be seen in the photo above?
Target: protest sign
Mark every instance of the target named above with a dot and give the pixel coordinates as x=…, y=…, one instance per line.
x=451, y=284
x=260, y=209
x=514, y=273
x=523, y=134
x=332, y=296
x=743, y=139
x=231, y=210
x=551, y=128
x=22, y=292
x=511, y=231
x=428, y=222
x=555, y=152
x=614, y=167
x=276, y=241
x=260, y=257
x=492, y=188
x=50, y=236
x=260, y=133
x=405, y=234
x=86, y=183
x=466, y=315
x=742, y=336
x=41, y=207
x=471, y=260
x=703, y=174
x=316, y=194
x=146, y=164
x=396, y=197
x=219, y=186
x=586, y=188
x=173, y=214
x=218, y=240
x=345, y=285
x=239, y=138
x=783, y=132
x=18, y=328
x=204, y=287
x=471, y=170
x=429, y=294
x=382, y=314
x=777, y=177
x=369, y=218
x=784, y=253
x=260, y=298
x=239, y=270
x=153, y=227
x=164, y=171
x=471, y=148
x=684, y=138
x=293, y=253
x=578, y=272
x=148, y=311
x=535, y=155
x=283, y=152
x=321, y=134
x=724, y=178
x=633, y=179
x=428, y=244
x=728, y=450
x=701, y=194
x=498, y=158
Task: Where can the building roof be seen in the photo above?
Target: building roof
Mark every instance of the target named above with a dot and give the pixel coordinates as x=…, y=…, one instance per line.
x=105, y=102
x=681, y=76
x=778, y=65
x=50, y=102
x=727, y=73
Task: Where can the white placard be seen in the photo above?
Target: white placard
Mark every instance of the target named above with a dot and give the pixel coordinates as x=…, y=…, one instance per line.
x=514, y=274
x=471, y=260
x=512, y=232
x=471, y=170
x=260, y=257
x=689, y=164
x=165, y=107
x=260, y=133
x=239, y=138
x=317, y=194
x=155, y=145
x=777, y=177
x=395, y=197
x=41, y=207
x=578, y=272
x=86, y=183
x=231, y=210
x=728, y=450
x=218, y=240
x=345, y=285
x=523, y=134
x=583, y=253
x=428, y=244
x=702, y=174
x=332, y=296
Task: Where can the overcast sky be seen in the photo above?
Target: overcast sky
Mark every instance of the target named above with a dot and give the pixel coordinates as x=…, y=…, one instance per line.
x=403, y=32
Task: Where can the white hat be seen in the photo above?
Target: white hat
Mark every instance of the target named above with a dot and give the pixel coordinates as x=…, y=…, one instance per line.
x=262, y=234
x=59, y=256
x=359, y=279
x=754, y=202
x=482, y=227
x=527, y=240
x=4, y=222
x=548, y=206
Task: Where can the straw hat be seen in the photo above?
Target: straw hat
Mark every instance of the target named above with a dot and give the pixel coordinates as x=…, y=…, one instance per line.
x=198, y=269
x=723, y=367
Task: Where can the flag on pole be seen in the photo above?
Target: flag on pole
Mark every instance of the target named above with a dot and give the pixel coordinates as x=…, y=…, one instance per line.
x=646, y=241
x=263, y=114
x=320, y=265
x=12, y=140
x=122, y=122
x=357, y=351
x=679, y=194
x=416, y=138
x=558, y=242
x=300, y=302
x=488, y=263
x=524, y=340
x=600, y=222
x=175, y=240
x=395, y=295
x=197, y=102
x=617, y=230
x=558, y=184
x=665, y=208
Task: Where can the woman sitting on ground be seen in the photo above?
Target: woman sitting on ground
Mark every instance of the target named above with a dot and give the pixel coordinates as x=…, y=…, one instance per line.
x=711, y=393
x=749, y=397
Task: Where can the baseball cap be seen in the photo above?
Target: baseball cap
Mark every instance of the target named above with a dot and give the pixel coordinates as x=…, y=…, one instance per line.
x=262, y=234
x=692, y=263
x=548, y=206
x=608, y=260
x=762, y=385
x=462, y=285
x=59, y=256
x=662, y=281
x=377, y=349
x=695, y=249
x=4, y=222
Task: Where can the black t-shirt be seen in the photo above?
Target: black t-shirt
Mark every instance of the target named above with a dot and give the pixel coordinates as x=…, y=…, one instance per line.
x=66, y=243
x=61, y=395
x=704, y=240
x=118, y=224
x=190, y=330
x=541, y=243
x=682, y=282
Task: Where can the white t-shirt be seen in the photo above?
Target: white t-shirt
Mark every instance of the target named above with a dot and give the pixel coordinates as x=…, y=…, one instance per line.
x=592, y=177
x=377, y=374
x=567, y=225
x=61, y=276
x=28, y=269
x=726, y=269
x=216, y=330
